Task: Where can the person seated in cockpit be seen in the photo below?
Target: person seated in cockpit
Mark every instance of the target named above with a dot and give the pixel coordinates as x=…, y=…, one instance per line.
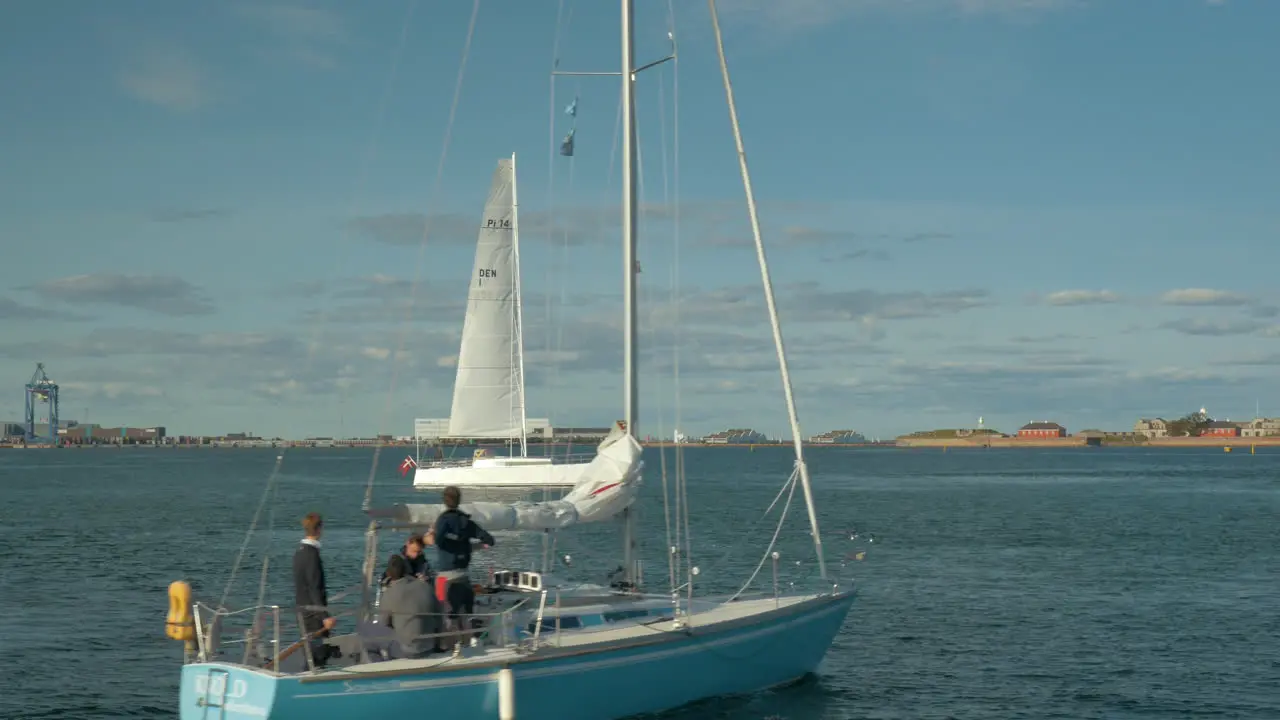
x=415, y=556
x=409, y=608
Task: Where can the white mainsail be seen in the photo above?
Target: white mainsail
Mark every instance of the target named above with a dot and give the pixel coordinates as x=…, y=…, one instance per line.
x=488, y=394
x=608, y=485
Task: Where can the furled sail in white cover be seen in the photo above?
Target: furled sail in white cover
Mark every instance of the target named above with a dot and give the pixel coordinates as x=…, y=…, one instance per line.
x=488, y=397
x=608, y=486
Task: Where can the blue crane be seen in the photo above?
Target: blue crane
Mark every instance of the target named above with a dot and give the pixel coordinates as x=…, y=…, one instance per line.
x=42, y=390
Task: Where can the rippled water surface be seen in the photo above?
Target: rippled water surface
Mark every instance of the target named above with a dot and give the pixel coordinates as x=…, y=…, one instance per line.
x=1000, y=583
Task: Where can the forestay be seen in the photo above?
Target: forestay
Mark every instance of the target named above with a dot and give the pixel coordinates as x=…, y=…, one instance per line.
x=487, y=397
x=608, y=486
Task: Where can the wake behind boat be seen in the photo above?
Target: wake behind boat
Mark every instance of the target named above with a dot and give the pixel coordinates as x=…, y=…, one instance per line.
x=488, y=393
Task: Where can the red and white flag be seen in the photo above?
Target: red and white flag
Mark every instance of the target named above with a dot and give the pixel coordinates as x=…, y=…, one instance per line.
x=408, y=464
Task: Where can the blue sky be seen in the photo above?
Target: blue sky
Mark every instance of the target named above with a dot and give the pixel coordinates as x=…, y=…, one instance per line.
x=212, y=214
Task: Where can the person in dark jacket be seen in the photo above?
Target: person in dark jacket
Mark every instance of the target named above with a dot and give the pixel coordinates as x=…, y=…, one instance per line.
x=454, y=531
x=310, y=594
x=415, y=557
x=410, y=609
x=414, y=554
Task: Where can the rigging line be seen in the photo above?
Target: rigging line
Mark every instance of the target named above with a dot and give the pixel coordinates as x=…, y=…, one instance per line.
x=556, y=378
x=422, y=246
x=666, y=496
x=681, y=482
x=259, y=618
x=248, y=535
x=651, y=331
x=565, y=230
x=768, y=292
x=782, y=518
x=733, y=547
x=562, y=29
x=271, y=532
x=318, y=330
x=551, y=182
x=641, y=290
x=551, y=229
x=371, y=148
x=613, y=147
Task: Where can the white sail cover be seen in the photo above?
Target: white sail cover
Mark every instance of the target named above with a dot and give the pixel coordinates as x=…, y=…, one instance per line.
x=488, y=401
x=608, y=486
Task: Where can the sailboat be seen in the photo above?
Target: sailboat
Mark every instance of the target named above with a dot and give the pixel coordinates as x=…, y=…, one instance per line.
x=546, y=648
x=488, y=392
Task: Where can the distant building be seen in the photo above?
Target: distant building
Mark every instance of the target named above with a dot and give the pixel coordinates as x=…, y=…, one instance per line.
x=1260, y=427
x=1114, y=434
x=90, y=434
x=1151, y=427
x=436, y=428
x=839, y=437
x=1221, y=428
x=578, y=434
x=735, y=436
x=1042, y=429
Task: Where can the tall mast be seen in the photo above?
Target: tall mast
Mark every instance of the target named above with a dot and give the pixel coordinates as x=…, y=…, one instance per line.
x=631, y=399
x=801, y=466
x=518, y=313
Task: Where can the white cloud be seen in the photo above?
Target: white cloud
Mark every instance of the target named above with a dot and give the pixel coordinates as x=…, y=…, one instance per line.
x=791, y=15
x=1081, y=297
x=1203, y=296
x=1214, y=327
x=168, y=76
x=294, y=20
x=163, y=294
x=306, y=35
x=112, y=390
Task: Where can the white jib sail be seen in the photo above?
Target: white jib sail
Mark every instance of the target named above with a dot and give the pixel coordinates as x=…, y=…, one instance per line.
x=608, y=486
x=487, y=397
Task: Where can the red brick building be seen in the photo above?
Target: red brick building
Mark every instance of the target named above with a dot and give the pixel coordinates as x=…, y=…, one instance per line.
x=1221, y=428
x=1042, y=430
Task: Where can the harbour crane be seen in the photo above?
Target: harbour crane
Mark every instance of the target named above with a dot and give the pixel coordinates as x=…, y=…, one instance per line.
x=41, y=390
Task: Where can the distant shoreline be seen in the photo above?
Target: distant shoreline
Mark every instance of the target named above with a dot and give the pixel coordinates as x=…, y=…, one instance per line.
x=302, y=445
x=1081, y=442
x=901, y=444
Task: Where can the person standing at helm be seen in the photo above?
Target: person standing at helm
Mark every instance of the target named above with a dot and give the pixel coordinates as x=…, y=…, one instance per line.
x=454, y=531
x=310, y=593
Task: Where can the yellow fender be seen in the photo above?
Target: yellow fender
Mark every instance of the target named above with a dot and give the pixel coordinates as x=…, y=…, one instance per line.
x=179, y=624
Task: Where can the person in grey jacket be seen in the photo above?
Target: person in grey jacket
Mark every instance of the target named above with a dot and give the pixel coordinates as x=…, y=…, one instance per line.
x=409, y=608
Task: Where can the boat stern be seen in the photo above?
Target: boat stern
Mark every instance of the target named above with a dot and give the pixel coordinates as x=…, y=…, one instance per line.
x=227, y=692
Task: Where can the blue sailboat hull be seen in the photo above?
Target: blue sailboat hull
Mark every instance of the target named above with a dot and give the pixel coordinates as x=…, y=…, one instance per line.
x=583, y=683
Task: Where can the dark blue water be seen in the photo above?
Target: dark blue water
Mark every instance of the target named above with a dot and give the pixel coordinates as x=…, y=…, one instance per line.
x=1000, y=583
